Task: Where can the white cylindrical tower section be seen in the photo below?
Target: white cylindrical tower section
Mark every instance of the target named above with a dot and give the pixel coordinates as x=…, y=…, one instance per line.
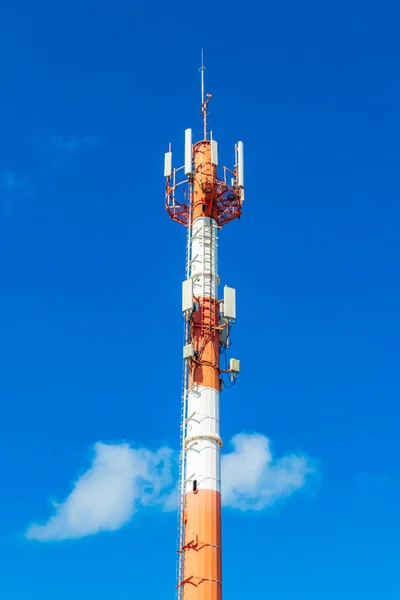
x=203, y=442
x=204, y=266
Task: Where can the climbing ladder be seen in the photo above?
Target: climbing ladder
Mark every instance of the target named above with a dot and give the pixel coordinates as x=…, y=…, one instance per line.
x=184, y=400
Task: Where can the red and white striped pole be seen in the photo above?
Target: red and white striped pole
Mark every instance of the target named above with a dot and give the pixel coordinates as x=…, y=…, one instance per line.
x=209, y=203
x=202, y=512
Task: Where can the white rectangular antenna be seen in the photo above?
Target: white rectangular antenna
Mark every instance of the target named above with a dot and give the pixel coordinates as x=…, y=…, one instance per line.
x=214, y=153
x=188, y=152
x=187, y=295
x=229, y=303
x=168, y=164
x=240, y=165
x=188, y=351
x=234, y=365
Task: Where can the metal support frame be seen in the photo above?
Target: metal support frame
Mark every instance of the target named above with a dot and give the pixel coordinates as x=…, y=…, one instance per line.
x=228, y=198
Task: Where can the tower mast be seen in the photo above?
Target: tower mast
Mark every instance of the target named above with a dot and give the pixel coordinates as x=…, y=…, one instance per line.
x=203, y=197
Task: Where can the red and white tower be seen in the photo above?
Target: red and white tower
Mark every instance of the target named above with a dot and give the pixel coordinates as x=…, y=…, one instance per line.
x=203, y=196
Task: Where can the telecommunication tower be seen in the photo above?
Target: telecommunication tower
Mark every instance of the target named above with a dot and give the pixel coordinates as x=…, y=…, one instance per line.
x=203, y=196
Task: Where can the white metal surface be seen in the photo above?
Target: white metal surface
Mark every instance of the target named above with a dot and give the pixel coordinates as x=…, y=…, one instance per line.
x=202, y=441
x=203, y=463
x=240, y=166
x=187, y=295
x=204, y=258
x=203, y=411
x=214, y=153
x=168, y=164
x=229, y=302
x=188, y=152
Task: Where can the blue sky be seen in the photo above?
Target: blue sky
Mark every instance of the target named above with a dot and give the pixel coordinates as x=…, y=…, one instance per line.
x=90, y=274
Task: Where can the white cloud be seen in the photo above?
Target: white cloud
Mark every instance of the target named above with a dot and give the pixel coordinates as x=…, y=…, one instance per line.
x=253, y=480
x=121, y=479
x=73, y=143
x=104, y=498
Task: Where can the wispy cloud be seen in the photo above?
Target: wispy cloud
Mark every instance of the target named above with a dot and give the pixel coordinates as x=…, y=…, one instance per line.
x=14, y=182
x=62, y=149
x=121, y=479
x=253, y=480
x=12, y=186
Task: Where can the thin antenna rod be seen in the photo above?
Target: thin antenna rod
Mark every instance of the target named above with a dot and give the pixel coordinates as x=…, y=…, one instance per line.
x=202, y=69
x=204, y=100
